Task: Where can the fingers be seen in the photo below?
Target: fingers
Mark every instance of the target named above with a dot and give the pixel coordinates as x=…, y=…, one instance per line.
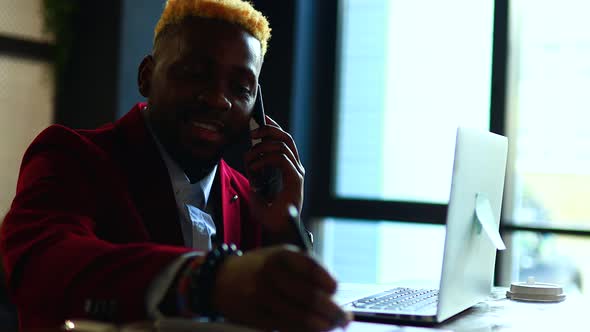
x=274, y=154
x=293, y=174
x=302, y=267
x=297, y=290
x=273, y=132
x=276, y=150
x=278, y=288
x=277, y=313
x=286, y=315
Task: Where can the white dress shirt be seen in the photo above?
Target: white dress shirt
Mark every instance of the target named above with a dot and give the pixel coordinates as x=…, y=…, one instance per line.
x=192, y=200
x=196, y=221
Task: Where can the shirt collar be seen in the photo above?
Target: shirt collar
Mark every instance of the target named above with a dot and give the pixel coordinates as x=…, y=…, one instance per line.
x=179, y=179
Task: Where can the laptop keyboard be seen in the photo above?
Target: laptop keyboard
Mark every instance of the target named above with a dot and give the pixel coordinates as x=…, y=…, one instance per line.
x=400, y=299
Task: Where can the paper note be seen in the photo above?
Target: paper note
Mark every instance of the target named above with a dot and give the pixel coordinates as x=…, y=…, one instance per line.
x=485, y=216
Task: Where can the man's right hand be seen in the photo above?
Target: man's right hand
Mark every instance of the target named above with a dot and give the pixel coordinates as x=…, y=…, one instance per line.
x=277, y=288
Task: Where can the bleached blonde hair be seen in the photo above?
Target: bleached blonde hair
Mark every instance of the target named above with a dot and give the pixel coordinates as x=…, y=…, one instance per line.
x=238, y=12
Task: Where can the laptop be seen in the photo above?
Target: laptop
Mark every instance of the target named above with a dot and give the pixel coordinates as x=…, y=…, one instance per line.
x=470, y=247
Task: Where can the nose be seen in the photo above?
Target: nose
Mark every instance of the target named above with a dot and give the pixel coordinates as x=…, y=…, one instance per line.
x=214, y=100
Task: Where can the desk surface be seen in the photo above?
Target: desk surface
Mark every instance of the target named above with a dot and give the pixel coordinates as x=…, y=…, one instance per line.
x=501, y=314
x=498, y=313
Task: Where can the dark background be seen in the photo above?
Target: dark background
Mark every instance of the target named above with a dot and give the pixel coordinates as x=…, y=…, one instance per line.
x=111, y=37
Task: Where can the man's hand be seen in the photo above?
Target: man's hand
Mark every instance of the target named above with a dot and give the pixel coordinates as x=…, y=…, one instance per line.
x=277, y=150
x=277, y=288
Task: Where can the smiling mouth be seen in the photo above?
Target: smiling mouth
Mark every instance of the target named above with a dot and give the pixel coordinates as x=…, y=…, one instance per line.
x=207, y=126
x=207, y=131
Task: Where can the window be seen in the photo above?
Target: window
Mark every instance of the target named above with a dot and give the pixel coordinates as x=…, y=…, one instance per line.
x=410, y=73
x=382, y=251
x=407, y=73
x=23, y=19
x=26, y=87
x=26, y=97
x=547, y=117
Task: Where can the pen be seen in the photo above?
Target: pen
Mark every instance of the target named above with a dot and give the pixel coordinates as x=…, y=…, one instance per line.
x=301, y=236
x=302, y=240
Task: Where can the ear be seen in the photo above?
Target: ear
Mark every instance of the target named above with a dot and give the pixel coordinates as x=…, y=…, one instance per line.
x=144, y=75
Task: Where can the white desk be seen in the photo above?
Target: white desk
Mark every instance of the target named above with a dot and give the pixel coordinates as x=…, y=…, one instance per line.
x=495, y=314
x=501, y=314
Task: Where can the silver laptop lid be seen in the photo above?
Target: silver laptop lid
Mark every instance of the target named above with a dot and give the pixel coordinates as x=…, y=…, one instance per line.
x=469, y=254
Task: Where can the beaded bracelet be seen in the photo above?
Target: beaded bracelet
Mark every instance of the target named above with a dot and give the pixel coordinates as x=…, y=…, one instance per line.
x=195, y=285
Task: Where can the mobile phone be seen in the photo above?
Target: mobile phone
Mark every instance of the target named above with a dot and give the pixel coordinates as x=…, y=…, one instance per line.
x=269, y=181
x=258, y=118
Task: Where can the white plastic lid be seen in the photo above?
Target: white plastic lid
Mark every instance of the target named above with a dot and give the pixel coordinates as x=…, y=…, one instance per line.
x=535, y=291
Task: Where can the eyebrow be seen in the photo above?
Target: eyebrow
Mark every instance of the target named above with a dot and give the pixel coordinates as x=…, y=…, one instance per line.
x=246, y=72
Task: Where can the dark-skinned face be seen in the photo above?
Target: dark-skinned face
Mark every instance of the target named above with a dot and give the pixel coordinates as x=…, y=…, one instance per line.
x=201, y=85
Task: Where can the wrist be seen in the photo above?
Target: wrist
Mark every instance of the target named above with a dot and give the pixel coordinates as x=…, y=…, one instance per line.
x=196, y=287
x=223, y=297
x=168, y=304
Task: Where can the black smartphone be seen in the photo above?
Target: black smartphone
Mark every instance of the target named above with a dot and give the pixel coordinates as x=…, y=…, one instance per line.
x=258, y=118
x=269, y=181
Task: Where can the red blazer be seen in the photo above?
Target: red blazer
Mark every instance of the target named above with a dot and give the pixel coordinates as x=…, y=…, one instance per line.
x=94, y=220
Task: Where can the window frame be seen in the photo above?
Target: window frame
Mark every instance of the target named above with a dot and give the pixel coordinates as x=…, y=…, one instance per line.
x=325, y=202
x=320, y=40
x=25, y=48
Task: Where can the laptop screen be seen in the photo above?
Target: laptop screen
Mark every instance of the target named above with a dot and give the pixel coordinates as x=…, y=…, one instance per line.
x=469, y=256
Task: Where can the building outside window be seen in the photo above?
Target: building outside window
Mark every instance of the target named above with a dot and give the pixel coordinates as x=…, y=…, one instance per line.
x=26, y=87
x=409, y=73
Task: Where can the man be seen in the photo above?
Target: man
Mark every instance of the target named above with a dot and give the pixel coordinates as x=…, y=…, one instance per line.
x=114, y=223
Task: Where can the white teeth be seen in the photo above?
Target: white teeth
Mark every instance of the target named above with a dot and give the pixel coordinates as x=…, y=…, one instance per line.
x=205, y=126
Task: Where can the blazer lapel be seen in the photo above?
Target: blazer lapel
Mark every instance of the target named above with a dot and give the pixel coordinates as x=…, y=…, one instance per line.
x=230, y=207
x=148, y=179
